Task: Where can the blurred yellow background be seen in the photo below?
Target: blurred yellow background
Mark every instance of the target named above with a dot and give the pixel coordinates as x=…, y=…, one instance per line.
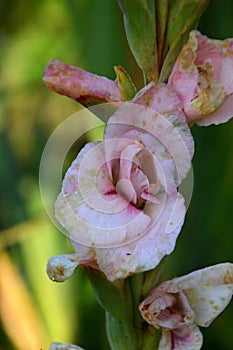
x=35, y=311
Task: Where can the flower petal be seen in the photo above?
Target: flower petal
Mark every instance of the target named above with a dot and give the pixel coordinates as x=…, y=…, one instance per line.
x=60, y=268
x=202, y=81
x=184, y=75
x=168, y=138
x=60, y=346
x=221, y=115
x=187, y=338
x=146, y=252
x=208, y=291
x=208, y=302
x=90, y=209
x=82, y=86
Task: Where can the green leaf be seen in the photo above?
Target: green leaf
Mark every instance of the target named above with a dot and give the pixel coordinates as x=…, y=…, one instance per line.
x=183, y=16
x=161, y=23
x=151, y=337
x=140, y=27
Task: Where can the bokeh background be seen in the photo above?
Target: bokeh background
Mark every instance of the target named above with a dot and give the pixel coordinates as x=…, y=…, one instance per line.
x=35, y=311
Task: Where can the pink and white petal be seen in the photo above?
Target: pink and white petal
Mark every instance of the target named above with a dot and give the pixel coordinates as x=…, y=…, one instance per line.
x=71, y=181
x=146, y=252
x=60, y=346
x=82, y=86
x=211, y=50
x=89, y=207
x=159, y=166
x=219, y=274
x=222, y=115
x=161, y=98
x=208, y=302
x=184, y=75
x=124, y=185
x=139, y=180
x=167, y=310
x=187, y=338
x=91, y=227
x=171, y=133
x=225, y=78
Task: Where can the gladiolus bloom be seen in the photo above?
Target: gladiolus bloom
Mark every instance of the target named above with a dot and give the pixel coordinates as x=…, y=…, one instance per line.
x=119, y=201
x=202, y=78
x=181, y=305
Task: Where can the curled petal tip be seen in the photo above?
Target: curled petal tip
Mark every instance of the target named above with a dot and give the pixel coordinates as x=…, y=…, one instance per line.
x=60, y=346
x=60, y=268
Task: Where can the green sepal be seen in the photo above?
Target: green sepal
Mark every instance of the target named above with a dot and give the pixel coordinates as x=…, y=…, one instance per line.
x=161, y=24
x=125, y=84
x=183, y=16
x=140, y=27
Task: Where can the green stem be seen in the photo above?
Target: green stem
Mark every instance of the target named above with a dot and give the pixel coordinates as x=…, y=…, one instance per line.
x=136, y=282
x=121, y=334
x=116, y=300
x=151, y=337
x=151, y=278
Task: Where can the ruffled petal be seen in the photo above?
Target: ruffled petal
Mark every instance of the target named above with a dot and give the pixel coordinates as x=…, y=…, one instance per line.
x=202, y=80
x=146, y=252
x=158, y=133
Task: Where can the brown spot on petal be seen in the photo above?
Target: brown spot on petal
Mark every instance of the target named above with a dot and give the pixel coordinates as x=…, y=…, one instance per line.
x=188, y=55
x=186, y=59
x=60, y=271
x=229, y=277
x=210, y=94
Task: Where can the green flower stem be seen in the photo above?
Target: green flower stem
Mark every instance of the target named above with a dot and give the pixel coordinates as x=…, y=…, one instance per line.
x=136, y=283
x=151, y=278
x=151, y=337
x=115, y=298
x=121, y=334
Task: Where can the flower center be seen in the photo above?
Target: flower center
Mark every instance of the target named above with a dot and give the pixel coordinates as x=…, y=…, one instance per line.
x=125, y=188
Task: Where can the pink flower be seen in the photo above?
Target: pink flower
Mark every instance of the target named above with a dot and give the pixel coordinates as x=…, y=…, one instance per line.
x=181, y=305
x=119, y=201
x=202, y=78
x=84, y=87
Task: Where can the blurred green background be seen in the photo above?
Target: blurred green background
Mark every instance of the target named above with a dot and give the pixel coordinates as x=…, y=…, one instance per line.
x=87, y=33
